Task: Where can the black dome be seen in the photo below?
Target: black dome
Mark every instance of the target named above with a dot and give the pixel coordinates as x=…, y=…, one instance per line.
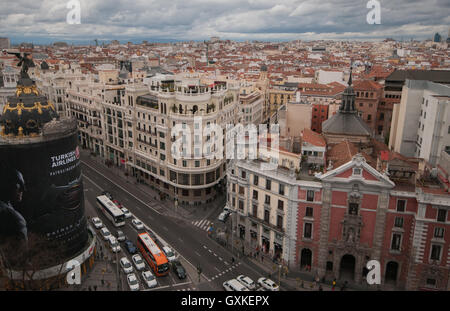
x=27, y=111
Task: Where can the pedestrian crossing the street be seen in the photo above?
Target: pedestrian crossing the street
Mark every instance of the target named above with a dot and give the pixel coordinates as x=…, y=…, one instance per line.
x=202, y=224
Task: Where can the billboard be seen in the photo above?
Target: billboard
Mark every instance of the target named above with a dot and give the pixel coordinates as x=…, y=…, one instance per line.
x=41, y=197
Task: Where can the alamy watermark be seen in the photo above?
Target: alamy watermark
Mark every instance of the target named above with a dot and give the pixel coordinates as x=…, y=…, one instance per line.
x=241, y=142
x=74, y=15
x=374, y=274
x=374, y=15
x=74, y=272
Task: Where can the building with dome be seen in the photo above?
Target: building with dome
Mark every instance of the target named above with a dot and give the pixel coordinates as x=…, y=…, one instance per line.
x=43, y=225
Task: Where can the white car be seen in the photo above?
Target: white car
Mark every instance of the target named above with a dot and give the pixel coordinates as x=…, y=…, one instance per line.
x=115, y=247
x=97, y=223
x=223, y=216
x=126, y=265
x=234, y=286
x=149, y=279
x=126, y=212
x=268, y=284
x=132, y=282
x=246, y=281
x=105, y=233
x=137, y=224
x=138, y=262
x=121, y=236
x=169, y=253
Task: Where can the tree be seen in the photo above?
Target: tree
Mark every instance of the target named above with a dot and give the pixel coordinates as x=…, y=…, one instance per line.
x=27, y=261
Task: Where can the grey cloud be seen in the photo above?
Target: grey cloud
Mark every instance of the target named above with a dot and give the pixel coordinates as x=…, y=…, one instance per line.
x=199, y=19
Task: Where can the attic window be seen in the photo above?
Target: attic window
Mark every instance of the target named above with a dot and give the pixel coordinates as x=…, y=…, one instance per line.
x=357, y=171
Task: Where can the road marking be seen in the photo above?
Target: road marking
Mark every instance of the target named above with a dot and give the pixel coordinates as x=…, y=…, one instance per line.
x=179, y=284
x=210, y=251
x=92, y=182
x=119, y=186
x=198, y=254
x=220, y=258
x=215, y=254
x=180, y=239
x=165, y=228
x=204, y=246
x=216, y=269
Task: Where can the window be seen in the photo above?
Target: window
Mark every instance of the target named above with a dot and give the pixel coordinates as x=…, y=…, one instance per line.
x=307, y=231
x=241, y=205
x=184, y=163
x=267, y=199
x=436, y=252
x=396, y=241
x=255, y=195
x=442, y=215
x=281, y=189
x=243, y=174
x=266, y=215
x=280, y=205
x=268, y=184
x=439, y=232
x=310, y=195
x=357, y=171
x=431, y=282
x=241, y=190
x=398, y=222
x=353, y=208
x=255, y=180
x=197, y=163
x=255, y=210
x=309, y=212
x=401, y=205
x=280, y=221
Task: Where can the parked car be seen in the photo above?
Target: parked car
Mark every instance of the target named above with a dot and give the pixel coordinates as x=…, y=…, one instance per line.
x=234, y=286
x=149, y=279
x=115, y=247
x=97, y=223
x=131, y=248
x=107, y=194
x=105, y=233
x=137, y=224
x=121, y=236
x=132, y=282
x=246, y=281
x=138, y=262
x=169, y=253
x=268, y=284
x=126, y=212
x=223, y=216
x=178, y=269
x=126, y=265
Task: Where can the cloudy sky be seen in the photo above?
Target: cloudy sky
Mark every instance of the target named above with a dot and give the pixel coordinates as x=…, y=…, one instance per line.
x=45, y=20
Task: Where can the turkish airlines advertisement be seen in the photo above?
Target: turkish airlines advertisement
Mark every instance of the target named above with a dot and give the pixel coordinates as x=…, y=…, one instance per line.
x=41, y=196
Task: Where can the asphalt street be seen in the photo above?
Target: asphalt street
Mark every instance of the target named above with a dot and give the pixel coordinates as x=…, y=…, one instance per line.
x=189, y=239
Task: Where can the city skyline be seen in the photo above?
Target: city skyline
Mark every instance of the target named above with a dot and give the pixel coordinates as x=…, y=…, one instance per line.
x=235, y=20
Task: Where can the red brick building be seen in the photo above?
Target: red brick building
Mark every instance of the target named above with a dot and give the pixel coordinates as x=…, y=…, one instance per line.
x=361, y=214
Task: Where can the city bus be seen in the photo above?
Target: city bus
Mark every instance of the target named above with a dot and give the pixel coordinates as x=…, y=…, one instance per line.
x=153, y=254
x=111, y=211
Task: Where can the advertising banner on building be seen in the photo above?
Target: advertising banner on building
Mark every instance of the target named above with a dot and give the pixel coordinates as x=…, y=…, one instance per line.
x=41, y=195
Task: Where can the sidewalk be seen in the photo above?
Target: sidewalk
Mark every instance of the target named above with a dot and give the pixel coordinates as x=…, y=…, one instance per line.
x=167, y=205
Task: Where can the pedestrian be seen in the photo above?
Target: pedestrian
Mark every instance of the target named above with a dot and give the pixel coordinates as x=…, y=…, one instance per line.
x=232, y=259
x=103, y=282
x=333, y=284
x=89, y=288
x=262, y=258
x=95, y=287
x=320, y=288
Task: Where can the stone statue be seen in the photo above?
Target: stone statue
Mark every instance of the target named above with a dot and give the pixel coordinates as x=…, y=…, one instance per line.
x=25, y=61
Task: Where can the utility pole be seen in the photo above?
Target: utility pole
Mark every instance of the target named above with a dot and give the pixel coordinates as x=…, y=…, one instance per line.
x=279, y=275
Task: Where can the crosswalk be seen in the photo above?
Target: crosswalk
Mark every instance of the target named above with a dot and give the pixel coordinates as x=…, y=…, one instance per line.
x=202, y=224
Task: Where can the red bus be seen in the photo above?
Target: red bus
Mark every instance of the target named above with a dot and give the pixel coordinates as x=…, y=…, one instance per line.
x=156, y=259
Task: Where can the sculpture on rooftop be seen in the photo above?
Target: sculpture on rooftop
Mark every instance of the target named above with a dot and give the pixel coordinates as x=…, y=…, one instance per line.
x=25, y=61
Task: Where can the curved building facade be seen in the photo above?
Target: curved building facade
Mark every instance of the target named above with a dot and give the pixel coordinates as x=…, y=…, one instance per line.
x=42, y=218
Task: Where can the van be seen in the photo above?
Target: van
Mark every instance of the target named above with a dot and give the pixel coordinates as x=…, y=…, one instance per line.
x=234, y=285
